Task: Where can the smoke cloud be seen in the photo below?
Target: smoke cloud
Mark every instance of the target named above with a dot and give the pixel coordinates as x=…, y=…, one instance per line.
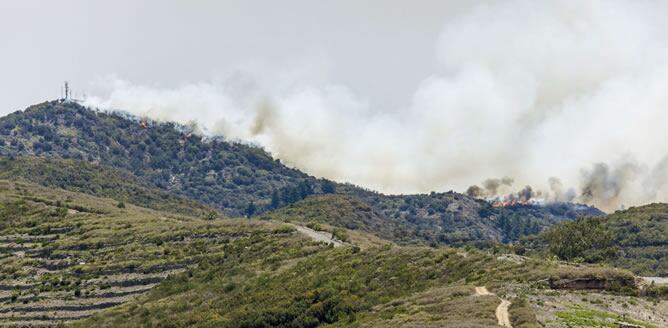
x=527, y=89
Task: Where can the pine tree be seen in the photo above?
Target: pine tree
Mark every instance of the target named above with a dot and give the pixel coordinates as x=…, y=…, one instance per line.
x=250, y=210
x=275, y=199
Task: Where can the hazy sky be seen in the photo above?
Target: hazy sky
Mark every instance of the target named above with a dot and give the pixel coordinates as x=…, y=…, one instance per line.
x=381, y=49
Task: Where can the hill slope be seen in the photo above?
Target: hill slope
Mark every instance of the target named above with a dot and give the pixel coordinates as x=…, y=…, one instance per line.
x=341, y=287
x=168, y=156
x=636, y=239
x=65, y=255
x=244, y=180
x=96, y=180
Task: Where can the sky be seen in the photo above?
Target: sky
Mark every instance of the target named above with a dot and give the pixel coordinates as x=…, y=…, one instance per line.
x=380, y=48
x=568, y=97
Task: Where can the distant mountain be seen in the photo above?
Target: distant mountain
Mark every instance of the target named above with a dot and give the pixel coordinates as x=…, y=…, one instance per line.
x=242, y=179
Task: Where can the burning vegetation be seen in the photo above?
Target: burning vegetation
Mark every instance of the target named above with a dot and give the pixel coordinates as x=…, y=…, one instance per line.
x=492, y=190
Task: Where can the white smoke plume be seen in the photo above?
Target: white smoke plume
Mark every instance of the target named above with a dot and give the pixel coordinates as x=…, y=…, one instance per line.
x=526, y=89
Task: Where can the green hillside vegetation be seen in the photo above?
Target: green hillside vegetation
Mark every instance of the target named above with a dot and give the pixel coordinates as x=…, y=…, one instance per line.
x=107, y=220
x=65, y=255
x=97, y=180
x=239, y=179
x=636, y=239
x=440, y=221
x=340, y=211
x=68, y=256
x=168, y=156
x=338, y=287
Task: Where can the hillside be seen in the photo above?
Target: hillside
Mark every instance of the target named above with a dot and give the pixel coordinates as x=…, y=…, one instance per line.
x=75, y=258
x=341, y=211
x=345, y=287
x=636, y=239
x=239, y=179
x=438, y=218
x=97, y=180
x=227, y=175
x=66, y=255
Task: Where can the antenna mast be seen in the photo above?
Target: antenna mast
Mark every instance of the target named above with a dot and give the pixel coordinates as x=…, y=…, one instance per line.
x=67, y=91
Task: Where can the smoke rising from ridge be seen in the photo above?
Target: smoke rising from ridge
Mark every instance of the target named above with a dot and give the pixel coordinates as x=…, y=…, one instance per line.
x=530, y=90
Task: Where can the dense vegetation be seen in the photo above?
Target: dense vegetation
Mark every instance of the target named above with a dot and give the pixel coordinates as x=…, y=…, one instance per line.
x=241, y=180
x=441, y=223
x=227, y=175
x=636, y=238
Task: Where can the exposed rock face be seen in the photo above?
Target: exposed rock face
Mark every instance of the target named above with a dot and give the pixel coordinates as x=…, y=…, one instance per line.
x=592, y=283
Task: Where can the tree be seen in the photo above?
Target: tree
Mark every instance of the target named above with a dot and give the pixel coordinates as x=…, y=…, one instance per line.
x=328, y=187
x=584, y=238
x=250, y=210
x=275, y=199
x=212, y=215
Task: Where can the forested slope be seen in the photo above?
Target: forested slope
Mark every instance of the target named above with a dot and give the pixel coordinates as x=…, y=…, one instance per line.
x=239, y=179
x=636, y=239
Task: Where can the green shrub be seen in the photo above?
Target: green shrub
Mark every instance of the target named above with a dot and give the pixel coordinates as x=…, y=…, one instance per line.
x=521, y=314
x=284, y=229
x=341, y=234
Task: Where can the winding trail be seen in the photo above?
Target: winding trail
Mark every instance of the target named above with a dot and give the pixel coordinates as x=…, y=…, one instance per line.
x=319, y=235
x=502, y=314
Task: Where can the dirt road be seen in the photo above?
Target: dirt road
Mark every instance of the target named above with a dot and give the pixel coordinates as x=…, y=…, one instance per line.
x=319, y=235
x=502, y=314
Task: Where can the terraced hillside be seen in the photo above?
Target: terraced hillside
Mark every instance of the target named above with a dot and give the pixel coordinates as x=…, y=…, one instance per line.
x=82, y=260
x=65, y=255
x=347, y=287
x=239, y=179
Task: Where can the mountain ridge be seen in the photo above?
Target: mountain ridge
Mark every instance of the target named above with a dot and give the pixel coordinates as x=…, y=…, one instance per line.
x=244, y=180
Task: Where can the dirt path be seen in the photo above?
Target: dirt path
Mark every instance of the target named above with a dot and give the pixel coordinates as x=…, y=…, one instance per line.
x=482, y=291
x=319, y=235
x=502, y=314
